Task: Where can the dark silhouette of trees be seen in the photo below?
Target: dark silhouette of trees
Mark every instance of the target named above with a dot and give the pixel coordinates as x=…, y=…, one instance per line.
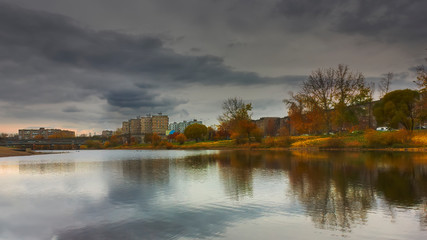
x=421, y=82
x=385, y=82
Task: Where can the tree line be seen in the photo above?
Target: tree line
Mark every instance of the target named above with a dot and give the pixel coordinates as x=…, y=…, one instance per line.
x=335, y=99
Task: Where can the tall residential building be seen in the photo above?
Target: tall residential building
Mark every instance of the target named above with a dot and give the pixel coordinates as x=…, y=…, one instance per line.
x=144, y=125
x=159, y=124
x=135, y=126
x=125, y=127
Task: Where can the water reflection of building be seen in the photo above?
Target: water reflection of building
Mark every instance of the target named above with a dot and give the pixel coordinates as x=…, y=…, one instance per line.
x=47, y=168
x=151, y=171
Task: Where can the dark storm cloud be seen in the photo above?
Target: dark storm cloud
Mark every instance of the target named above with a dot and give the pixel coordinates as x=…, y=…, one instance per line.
x=139, y=99
x=388, y=20
x=60, y=40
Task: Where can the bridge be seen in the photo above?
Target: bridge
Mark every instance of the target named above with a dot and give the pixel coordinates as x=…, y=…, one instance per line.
x=45, y=144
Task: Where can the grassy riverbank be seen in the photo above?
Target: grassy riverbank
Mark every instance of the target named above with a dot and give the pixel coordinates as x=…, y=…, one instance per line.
x=368, y=140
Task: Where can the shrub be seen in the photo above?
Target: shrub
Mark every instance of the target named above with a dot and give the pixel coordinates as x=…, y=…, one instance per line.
x=353, y=144
x=387, y=139
x=94, y=144
x=283, y=141
x=420, y=139
x=238, y=139
x=334, y=143
x=181, y=138
x=155, y=139
x=257, y=134
x=166, y=144
x=269, y=142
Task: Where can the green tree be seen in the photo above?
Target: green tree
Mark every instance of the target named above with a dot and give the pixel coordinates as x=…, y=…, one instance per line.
x=397, y=107
x=196, y=131
x=211, y=134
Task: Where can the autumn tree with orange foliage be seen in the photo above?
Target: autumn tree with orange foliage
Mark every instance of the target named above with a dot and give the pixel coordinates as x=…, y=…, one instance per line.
x=61, y=134
x=329, y=97
x=304, y=115
x=39, y=137
x=181, y=138
x=221, y=133
x=236, y=119
x=173, y=136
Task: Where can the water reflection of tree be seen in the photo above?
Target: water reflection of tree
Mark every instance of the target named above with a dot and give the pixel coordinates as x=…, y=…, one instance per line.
x=236, y=170
x=331, y=192
x=401, y=180
x=336, y=189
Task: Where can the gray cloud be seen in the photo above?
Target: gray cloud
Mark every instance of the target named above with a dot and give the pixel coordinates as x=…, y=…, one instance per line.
x=50, y=58
x=134, y=57
x=61, y=40
x=71, y=109
x=139, y=99
x=388, y=20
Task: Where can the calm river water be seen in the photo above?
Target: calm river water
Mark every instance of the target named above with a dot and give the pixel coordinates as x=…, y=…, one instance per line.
x=214, y=195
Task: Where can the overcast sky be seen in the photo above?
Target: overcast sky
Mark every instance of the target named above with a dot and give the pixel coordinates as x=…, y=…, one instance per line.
x=87, y=65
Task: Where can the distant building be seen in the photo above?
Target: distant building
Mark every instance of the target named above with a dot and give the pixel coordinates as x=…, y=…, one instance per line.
x=107, y=133
x=159, y=124
x=141, y=126
x=125, y=127
x=181, y=126
x=44, y=133
x=270, y=125
x=146, y=124
x=135, y=126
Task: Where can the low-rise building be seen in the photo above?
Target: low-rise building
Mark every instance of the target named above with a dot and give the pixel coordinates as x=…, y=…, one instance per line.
x=270, y=125
x=107, y=133
x=181, y=126
x=44, y=133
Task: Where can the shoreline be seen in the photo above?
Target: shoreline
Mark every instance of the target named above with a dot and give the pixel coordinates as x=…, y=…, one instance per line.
x=10, y=152
x=307, y=149
x=13, y=152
